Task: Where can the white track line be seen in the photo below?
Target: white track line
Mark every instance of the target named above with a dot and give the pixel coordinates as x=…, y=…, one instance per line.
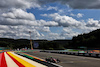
x=30, y=61
x=9, y=61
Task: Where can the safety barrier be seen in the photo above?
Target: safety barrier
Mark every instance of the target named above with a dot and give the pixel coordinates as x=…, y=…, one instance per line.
x=90, y=54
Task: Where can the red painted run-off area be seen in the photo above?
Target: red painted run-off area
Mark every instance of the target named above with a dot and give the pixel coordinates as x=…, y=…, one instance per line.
x=19, y=64
x=2, y=60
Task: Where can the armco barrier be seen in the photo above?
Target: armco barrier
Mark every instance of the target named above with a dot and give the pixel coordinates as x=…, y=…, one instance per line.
x=74, y=53
x=88, y=54
x=81, y=54
x=95, y=55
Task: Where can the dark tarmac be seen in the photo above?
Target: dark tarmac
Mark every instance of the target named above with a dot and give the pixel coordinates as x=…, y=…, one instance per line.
x=70, y=60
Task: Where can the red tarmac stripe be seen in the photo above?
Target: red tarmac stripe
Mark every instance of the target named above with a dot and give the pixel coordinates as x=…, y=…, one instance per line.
x=18, y=63
x=2, y=60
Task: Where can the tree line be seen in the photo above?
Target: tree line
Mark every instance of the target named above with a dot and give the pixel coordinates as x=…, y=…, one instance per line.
x=88, y=40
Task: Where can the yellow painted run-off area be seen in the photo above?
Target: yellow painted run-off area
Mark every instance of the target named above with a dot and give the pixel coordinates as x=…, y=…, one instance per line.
x=25, y=63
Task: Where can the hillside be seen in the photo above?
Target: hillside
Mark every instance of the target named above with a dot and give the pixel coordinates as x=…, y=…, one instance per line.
x=14, y=43
x=90, y=40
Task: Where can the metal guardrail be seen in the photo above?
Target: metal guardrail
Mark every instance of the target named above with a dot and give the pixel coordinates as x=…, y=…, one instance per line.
x=78, y=53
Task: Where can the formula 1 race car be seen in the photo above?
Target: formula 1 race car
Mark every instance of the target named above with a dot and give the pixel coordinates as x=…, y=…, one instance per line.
x=51, y=59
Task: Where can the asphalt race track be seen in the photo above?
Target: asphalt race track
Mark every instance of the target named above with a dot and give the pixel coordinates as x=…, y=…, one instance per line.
x=70, y=60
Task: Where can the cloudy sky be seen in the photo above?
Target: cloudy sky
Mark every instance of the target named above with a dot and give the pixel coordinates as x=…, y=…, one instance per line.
x=48, y=19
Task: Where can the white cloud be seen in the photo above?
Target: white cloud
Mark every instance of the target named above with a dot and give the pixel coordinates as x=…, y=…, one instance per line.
x=54, y=36
x=69, y=33
x=64, y=20
x=72, y=14
x=43, y=29
x=47, y=8
x=19, y=14
x=45, y=15
x=18, y=4
x=76, y=4
x=93, y=23
x=21, y=17
x=16, y=22
x=18, y=32
x=79, y=15
x=70, y=24
x=90, y=25
x=17, y=17
x=51, y=8
x=47, y=23
x=3, y=27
